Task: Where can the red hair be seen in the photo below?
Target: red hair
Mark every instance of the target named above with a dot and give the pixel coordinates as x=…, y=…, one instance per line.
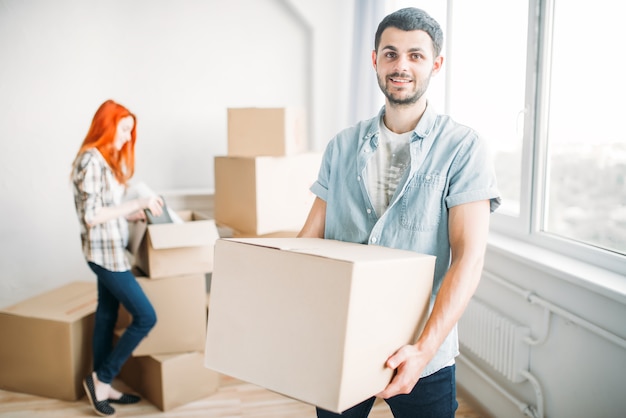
x=101, y=135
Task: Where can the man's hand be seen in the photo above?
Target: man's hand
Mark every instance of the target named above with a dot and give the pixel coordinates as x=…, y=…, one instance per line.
x=408, y=362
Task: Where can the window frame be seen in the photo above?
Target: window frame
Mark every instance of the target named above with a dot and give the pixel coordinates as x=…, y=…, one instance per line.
x=528, y=225
x=521, y=225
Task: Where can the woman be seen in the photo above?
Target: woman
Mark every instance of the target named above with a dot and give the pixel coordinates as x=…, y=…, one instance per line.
x=103, y=165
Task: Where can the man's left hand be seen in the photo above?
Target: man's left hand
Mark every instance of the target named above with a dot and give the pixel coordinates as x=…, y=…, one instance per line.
x=408, y=362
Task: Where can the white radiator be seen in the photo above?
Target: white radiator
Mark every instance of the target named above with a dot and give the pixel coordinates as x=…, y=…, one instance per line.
x=496, y=339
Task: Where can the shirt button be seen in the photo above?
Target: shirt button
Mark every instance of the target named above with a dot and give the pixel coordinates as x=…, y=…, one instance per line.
x=427, y=178
x=374, y=239
x=369, y=210
x=367, y=150
x=358, y=178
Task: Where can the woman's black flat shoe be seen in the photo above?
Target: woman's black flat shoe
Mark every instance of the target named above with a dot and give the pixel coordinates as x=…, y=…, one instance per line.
x=126, y=399
x=102, y=408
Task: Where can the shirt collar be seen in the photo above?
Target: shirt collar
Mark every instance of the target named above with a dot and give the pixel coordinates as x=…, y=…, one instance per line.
x=421, y=131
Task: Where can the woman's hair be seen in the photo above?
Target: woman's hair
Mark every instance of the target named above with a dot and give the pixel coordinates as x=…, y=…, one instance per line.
x=412, y=18
x=101, y=135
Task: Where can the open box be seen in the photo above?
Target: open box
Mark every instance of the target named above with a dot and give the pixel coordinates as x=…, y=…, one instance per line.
x=164, y=250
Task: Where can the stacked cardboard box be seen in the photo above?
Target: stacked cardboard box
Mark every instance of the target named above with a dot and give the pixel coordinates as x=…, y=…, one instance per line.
x=172, y=261
x=165, y=250
x=262, y=185
x=257, y=131
x=170, y=380
x=45, y=348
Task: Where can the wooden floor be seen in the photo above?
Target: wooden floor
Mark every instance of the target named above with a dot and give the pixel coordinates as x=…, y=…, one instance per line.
x=234, y=399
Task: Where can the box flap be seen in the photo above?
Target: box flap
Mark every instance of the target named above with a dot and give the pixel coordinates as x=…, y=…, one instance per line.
x=333, y=249
x=136, y=232
x=188, y=234
x=66, y=303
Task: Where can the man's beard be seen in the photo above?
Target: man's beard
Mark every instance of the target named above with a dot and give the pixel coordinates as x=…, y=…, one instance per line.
x=406, y=101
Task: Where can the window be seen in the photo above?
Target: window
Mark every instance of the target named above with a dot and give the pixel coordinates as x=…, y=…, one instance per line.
x=543, y=81
x=584, y=190
x=486, y=80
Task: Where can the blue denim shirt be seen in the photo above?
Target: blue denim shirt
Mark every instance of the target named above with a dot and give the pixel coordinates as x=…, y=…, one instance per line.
x=450, y=165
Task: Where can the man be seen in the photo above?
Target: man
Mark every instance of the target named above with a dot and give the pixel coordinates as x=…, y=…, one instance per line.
x=415, y=180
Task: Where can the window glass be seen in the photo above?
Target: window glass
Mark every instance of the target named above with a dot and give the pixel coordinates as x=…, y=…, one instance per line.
x=585, y=185
x=487, y=81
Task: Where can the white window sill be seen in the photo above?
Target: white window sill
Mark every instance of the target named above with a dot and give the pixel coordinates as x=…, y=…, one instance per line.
x=593, y=278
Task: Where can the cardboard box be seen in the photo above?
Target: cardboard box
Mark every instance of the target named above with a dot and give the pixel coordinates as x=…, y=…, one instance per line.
x=166, y=250
x=170, y=380
x=255, y=131
x=180, y=304
x=228, y=232
x=278, y=234
x=314, y=319
x=45, y=349
x=261, y=195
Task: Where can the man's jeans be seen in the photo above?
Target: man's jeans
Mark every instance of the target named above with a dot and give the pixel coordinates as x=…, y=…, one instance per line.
x=115, y=288
x=434, y=396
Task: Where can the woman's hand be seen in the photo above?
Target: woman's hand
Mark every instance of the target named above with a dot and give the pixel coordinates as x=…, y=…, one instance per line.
x=131, y=210
x=136, y=216
x=153, y=203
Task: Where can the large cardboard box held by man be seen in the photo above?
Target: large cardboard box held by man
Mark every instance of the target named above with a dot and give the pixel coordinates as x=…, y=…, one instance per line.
x=314, y=319
x=180, y=305
x=261, y=195
x=164, y=250
x=170, y=380
x=258, y=131
x=45, y=348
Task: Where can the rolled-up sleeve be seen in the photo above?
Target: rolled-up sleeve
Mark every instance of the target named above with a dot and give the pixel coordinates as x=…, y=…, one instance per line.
x=472, y=176
x=320, y=187
x=88, y=181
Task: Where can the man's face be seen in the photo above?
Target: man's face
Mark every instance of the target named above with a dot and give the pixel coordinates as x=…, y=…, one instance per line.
x=404, y=64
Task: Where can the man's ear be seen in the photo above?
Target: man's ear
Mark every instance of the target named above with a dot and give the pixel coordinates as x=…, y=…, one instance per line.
x=374, y=58
x=437, y=64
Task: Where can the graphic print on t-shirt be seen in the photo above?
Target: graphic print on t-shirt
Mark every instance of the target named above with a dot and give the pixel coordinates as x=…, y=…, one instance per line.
x=386, y=168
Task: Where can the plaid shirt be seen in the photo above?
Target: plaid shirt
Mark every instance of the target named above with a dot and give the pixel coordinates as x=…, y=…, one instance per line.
x=95, y=187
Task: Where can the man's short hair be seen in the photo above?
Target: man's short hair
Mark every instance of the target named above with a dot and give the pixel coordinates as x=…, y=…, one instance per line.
x=412, y=18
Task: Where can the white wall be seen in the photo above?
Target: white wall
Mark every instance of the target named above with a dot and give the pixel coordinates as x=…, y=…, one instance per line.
x=581, y=373
x=178, y=65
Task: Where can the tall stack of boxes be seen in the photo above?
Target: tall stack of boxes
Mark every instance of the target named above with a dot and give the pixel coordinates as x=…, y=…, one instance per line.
x=172, y=261
x=262, y=185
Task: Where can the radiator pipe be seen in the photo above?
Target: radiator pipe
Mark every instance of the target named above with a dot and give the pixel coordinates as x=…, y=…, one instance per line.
x=525, y=408
x=537, y=387
x=533, y=299
x=546, y=330
x=615, y=339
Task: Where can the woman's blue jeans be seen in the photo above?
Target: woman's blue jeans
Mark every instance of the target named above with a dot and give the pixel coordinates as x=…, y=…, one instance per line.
x=116, y=287
x=433, y=396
